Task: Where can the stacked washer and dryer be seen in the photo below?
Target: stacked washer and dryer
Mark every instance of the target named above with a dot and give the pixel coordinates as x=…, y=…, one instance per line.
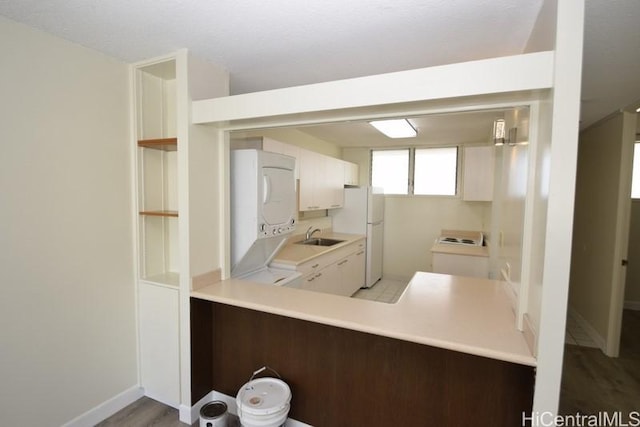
x=263, y=210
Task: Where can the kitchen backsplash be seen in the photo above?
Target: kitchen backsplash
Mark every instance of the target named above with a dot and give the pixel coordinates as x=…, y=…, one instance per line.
x=323, y=223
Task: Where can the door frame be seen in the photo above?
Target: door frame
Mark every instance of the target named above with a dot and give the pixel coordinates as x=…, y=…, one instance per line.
x=623, y=218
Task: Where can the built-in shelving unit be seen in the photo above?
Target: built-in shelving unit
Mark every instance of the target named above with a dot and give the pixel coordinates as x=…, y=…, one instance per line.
x=177, y=185
x=158, y=172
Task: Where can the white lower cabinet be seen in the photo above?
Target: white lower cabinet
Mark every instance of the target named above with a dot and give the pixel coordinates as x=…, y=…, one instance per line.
x=159, y=320
x=461, y=265
x=340, y=272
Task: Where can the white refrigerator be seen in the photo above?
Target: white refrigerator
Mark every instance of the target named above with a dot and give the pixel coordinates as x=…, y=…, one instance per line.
x=363, y=213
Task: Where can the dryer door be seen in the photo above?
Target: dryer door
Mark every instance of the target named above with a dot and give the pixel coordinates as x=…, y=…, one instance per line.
x=278, y=196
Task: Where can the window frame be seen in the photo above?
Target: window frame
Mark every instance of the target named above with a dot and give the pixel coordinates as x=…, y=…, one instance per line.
x=411, y=171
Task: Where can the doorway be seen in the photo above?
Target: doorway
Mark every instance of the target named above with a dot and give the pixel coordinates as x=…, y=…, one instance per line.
x=602, y=352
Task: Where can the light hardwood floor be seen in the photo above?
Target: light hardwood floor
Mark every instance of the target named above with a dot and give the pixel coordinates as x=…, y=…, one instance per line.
x=593, y=382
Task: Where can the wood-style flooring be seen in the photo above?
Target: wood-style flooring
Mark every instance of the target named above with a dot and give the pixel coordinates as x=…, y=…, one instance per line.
x=593, y=382
x=146, y=412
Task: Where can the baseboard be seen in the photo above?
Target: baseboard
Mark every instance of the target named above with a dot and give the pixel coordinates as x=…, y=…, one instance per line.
x=593, y=334
x=107, y=408
x=191, y=415
x=632, y=305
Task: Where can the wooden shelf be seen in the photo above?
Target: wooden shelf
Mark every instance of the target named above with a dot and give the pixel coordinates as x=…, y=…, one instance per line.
x=164, y=144
x=160, y=213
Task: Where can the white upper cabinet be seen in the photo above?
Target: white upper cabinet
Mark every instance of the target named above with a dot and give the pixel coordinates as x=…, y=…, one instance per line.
x=478, y=174
x=321, y=181
x=351, y=172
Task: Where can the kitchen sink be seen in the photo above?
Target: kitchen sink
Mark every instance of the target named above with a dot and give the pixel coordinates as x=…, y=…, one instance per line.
x=319, y=241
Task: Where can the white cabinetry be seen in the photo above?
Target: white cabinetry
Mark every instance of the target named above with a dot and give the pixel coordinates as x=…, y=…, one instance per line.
x=478, y=174
x=321, y=181
x=339, y=272
x=461, y=265
x=351, y=173
x=159, y=342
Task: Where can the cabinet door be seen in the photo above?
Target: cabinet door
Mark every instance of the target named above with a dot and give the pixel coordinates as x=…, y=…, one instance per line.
x=309, y=164
x=159, y=343
x=321, y=181
x=328, y=279
x=351, y=171
x=358, y=269
x=335, y=181
x=478, y=174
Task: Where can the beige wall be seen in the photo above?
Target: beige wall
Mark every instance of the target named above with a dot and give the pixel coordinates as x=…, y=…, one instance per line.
x=508, y=208
x=632, y=290
x=67, y=309
x=594, y=263
x=413, y=223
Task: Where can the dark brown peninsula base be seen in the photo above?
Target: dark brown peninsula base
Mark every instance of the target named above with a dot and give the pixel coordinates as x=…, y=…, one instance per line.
x=340, y=377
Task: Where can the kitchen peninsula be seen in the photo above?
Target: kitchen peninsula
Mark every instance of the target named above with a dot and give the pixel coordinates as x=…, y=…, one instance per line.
x=447, y=353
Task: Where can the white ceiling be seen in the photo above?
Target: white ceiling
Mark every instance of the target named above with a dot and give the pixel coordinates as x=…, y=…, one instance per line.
x=280, y=43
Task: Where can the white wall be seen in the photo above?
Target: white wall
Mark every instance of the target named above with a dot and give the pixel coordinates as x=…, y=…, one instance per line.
x=67, y=308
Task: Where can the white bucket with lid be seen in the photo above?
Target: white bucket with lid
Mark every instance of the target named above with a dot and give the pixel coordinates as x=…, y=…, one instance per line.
x=263, y=402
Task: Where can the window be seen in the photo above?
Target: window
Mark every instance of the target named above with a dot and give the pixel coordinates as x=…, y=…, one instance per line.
x=435, y=171
x=635, y=182
x=390, y=170
x=419, y=171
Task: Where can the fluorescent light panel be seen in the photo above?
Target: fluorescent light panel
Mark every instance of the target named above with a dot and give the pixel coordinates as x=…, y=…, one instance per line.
x=396, y=128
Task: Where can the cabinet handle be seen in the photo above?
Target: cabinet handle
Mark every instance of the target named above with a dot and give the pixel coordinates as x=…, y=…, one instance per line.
x=360, y=253
x=311, y=279
x=315, y=266
x=318, y=275
x=335, y=206
x=343, y=262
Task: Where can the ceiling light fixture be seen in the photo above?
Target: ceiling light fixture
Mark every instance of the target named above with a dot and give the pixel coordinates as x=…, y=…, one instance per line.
x=638, y=110
x=396, y=128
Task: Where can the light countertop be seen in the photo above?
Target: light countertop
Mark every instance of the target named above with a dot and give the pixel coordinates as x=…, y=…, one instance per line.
x=294, y=254
x=464, y=314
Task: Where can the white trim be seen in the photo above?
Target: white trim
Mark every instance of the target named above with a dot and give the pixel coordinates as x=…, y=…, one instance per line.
x=191, y=415
x=526, y=72
x=107, y=408
x=584, y=324
x=632, y=305
x=623, y=225
x=559, y=228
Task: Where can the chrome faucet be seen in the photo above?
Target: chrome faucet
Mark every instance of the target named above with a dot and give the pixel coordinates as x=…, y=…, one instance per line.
x=310, y=233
